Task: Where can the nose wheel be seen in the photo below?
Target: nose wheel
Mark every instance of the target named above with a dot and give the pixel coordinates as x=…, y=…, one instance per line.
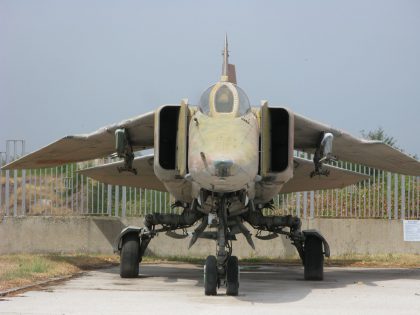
x=232, y=276
x=213, y=278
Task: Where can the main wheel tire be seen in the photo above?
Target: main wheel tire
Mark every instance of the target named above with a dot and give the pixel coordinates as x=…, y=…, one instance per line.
x=232, y=276
x=314, y=259
x=130, y=256
x=210, y=276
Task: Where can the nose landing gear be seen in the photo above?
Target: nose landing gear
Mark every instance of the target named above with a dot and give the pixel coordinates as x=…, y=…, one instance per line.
x=222, y=269
x=213, y=279
x=232, y=276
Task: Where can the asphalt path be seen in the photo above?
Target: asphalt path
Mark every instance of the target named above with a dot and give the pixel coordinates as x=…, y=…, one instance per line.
x=264, y=289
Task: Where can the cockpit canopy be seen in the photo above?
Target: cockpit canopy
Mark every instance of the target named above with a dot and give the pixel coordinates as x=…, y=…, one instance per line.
x=224, y=98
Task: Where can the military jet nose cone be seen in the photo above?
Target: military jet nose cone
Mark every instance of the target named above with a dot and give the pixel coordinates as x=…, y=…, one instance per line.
x=223, y=168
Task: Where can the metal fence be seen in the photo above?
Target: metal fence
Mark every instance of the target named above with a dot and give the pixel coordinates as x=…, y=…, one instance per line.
x=63, y=191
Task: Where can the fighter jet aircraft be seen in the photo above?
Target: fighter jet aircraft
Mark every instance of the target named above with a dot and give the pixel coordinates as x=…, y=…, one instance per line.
x=223, y=161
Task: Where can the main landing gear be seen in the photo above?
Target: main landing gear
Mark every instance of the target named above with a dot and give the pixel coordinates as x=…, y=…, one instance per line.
x=313, y=260
x=310, y=244
x=131, y=244
x=222, y=269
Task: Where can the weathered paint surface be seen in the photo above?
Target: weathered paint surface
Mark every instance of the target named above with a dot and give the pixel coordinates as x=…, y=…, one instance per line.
x=219, y=138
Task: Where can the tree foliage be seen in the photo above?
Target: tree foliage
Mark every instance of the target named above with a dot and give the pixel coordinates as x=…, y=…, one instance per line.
x=379, y=134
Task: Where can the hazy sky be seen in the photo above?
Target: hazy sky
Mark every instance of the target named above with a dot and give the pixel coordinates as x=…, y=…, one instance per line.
x=71, y=67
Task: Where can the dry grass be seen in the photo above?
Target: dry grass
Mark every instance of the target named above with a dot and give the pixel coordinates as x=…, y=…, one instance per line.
x=21, y=270
x=47, y=191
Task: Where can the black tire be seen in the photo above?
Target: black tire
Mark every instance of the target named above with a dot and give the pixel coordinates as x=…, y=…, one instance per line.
x=210, y=276
x=232, y=276
x=314, y=259
x=130, y=256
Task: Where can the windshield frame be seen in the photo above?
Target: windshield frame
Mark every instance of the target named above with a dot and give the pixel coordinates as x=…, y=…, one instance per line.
x=241, y=104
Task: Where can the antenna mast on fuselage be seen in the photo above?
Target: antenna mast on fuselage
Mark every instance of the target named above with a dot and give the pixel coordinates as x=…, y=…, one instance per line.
x=225, y=54
x=228, y=70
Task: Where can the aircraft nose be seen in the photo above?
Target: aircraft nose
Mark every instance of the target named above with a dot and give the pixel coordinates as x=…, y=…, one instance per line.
x=223, y=168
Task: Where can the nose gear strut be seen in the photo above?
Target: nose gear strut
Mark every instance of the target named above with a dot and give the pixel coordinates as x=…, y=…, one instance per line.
x=222, y=269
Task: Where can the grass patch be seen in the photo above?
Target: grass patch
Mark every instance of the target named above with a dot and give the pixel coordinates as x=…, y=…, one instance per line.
x=20, y=270
x=26, y=268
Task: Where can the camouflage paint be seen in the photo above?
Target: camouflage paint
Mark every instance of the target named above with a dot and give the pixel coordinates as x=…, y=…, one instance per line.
x=223, y=138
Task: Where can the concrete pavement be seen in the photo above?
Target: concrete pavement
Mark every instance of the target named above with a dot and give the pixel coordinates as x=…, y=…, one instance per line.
x=264, y=289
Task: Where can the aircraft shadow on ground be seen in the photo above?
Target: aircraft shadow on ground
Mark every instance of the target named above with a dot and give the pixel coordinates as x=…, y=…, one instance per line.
x=273, y=284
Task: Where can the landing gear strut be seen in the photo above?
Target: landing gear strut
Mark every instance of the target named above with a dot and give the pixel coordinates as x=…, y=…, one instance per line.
x=313, y=261
x=130, y=255
x=310, y=244
x=222, y=269
x=132, y=244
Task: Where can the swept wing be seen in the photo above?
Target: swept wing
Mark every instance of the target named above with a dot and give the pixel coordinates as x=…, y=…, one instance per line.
x=302, y=181
x=84, y=147
x=109, y=174
x=371, y=153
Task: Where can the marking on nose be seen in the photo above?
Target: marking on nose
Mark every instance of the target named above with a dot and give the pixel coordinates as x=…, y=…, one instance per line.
x=203, y=158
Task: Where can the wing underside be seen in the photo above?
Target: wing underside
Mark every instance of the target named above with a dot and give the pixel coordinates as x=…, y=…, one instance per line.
x=302, y=181
x=371, y=153
x=109, y=174
x=98, y=144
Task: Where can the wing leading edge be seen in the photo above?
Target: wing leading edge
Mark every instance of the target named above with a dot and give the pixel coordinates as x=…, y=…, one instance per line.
x=84, y=147
x=374, y=154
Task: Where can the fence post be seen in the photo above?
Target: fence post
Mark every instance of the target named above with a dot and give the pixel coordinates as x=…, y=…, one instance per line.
x=82, y=199
x=124, y=201
x=298, y=204
x=7, y=189
x=396, y=196
x=109, y=201
x=117, y=199
x=140, y=202
x=383, y=195
x=388, y=195
x=135, y=200
x=418, y=193
x=311, y=211
x=23, y=182
x=402, y=197
x=14, y=183
x=1, y=182
x=409, y=213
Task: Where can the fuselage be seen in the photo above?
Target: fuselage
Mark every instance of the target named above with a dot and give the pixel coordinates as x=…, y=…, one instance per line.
x=223, y=141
